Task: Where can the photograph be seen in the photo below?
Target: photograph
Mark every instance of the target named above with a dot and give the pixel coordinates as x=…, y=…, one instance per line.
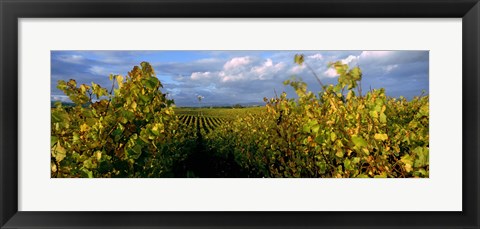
x=211, y=105
x=239, y=114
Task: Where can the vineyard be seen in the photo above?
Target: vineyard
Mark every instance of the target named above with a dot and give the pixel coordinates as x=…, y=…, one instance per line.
x=132, y=129
x=203, y=124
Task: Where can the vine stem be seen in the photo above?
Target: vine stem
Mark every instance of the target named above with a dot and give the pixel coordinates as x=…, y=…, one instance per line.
x=315, y=74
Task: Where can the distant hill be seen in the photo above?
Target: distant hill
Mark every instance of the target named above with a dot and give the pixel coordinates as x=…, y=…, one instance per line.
x=252, y=104
x=225, y=105
x=65, y=104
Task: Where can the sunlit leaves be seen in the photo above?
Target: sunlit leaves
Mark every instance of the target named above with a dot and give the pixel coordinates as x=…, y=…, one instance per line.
x=299, y=59
x=119, y=80
x=347, y=77
x=380, y=137
x=407, y=162
x=59, y=152
x=359, y=141
x=151, y=83
x=109, y=133
x=334, y=133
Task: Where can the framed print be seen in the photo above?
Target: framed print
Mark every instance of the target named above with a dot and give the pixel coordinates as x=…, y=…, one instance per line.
x=239, y=114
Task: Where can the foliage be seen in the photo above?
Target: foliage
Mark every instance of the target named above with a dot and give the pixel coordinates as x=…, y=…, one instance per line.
x=129, y=131
x=132, y=130
x=331, y=134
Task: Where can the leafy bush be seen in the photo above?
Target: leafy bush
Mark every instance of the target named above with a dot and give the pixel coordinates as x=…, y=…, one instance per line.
x=331, y=134
x=129, y=131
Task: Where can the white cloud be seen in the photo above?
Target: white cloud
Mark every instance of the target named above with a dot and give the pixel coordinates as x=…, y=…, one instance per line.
x=296, y=69
x=241, y=69
x=61, y=98
x=232, y=77
x=364, y=57
x=73, y=59
x=236, y=62
x=317, y=56
x=207, y=60
x=331, y=72
x=98, y=70
x=390, y=68
x=201, y=75
x=374, y=54
x=350, y=59
x=267, y=69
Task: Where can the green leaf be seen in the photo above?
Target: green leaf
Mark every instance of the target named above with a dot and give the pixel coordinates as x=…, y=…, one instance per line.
x=144, y=98
x=89, y=164
x=151, y=82
x=347, y=164
x=333, y=136
x=383, y=118
x=128, y=115
x=60, y=153
x=58, y=117
x=339, y=154
x=383, y=175
x=356, y=160
x=408, y=162
x=421, y=157
x=299, y=59
x=359, y=141
x=362, y=176
x=117, y=134
x=356, y=74
x=53, y=140
x=322, y=167
x=306, y=128
x=87, y=173
x=135, y=151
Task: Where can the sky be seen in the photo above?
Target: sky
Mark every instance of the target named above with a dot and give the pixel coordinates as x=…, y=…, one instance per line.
x=242, y=77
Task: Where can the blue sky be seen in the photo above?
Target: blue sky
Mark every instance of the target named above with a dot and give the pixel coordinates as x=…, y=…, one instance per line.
x=244, y=77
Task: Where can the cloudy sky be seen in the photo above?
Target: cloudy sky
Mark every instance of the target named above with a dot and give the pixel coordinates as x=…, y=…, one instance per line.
x=244, y=77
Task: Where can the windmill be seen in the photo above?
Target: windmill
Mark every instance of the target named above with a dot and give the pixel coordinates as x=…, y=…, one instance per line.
x=199, y=97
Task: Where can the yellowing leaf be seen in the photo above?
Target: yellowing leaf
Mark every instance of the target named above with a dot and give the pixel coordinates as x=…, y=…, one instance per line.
x=365, y=150
x=381, y=137
x=408, y=167
x=98, y=155
x=53, y=167
x=339, y=153
x=60, y=152
x=119, y=81
x=83, y=127
x=407, y=161
x=333, y=136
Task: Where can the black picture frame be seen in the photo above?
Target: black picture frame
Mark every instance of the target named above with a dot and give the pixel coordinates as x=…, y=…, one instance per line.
x=12, y=10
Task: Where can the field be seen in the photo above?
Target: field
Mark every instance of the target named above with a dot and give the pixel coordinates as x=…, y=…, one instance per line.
x=205, y=120
x=218, y=112
x=202, y=123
